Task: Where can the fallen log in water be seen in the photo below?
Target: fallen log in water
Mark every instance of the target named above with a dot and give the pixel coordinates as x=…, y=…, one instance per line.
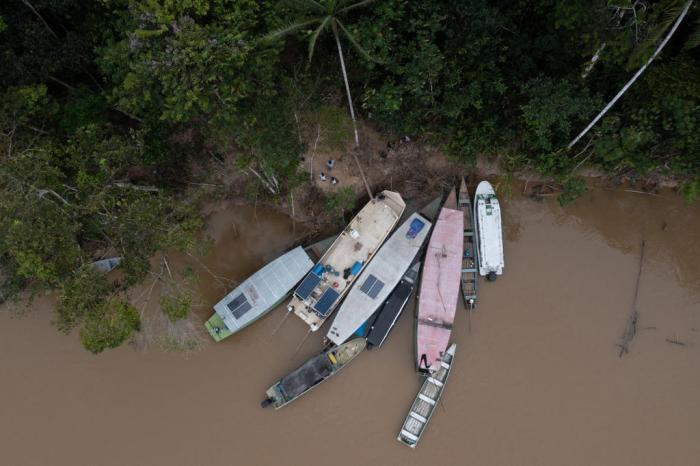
x=631, y=324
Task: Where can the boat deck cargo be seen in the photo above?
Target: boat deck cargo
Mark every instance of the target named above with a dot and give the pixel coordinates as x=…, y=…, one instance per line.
x=314, y=371
x=380, y=277
x=487, y=212
x=331, y=278
x=439, y=286
x=258, y=294
x=426, y=401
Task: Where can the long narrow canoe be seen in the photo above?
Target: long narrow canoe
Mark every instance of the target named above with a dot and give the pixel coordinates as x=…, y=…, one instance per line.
x=470, y=279
x=440, y=286
x=319, y=293
x=379, y=278
x=426, y=401
x=393, y=307
x=312, y=373
x=487, y=213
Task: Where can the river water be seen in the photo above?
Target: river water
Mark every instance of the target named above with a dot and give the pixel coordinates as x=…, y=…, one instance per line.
x=537, y=377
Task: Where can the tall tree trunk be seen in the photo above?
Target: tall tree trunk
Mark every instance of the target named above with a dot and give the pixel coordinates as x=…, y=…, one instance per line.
x=634, y=78
x=352, y=109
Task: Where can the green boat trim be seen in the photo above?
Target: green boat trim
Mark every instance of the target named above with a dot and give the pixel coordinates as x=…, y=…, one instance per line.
x=216, y=327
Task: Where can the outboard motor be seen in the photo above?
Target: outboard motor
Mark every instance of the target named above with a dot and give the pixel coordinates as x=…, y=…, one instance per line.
x=266, y=402
x=491, y=276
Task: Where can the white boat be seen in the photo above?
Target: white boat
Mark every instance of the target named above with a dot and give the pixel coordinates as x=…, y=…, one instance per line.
x=487, y=214
x=332, y=277
x=258, y=294
x=426, y=401
x=380, y=277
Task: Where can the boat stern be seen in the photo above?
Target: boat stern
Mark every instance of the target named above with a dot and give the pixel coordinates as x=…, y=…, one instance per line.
x=217, y=328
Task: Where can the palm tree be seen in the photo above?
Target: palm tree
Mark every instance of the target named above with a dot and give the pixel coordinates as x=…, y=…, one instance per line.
x=326, y=14
x=675, y=16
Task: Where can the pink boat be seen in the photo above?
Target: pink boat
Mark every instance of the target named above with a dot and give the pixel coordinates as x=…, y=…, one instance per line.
x=439, y=289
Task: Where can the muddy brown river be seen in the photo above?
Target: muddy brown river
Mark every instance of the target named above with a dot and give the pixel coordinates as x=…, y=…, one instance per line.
x=537, y=378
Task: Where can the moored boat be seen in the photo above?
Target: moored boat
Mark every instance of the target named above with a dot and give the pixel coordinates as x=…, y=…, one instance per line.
x=314, y=371
x=332, y=277
x=439, y=286
x=426, y=401
x=487, y=214
x=258, y=294
x=379, y=278
x=389, y=313
x=470, y=279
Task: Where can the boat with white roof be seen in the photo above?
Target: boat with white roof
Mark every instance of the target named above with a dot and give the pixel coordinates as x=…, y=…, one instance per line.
x=332, y=277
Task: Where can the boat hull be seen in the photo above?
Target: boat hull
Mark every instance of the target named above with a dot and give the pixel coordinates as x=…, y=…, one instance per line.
x=312, y=373
x=380, y=277
x=426, y=402
x=258, y=294
x=439, y=289
x=392, y=309
x=470, y=278
x=320, y=292
x=487, y=214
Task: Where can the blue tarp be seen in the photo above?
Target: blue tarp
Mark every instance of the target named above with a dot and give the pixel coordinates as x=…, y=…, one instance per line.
x=356, y=267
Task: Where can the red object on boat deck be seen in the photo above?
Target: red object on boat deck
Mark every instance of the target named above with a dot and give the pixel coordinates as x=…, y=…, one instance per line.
x=439, y=289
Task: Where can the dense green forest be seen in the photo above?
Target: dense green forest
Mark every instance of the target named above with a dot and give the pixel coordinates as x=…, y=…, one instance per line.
x=107, y=104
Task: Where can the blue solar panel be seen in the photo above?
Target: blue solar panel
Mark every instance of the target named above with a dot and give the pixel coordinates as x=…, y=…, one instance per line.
x=323, y=305
x=368, y=284
x=416, y=226
x=307, y=285
x=376, y=288
x=372, y=286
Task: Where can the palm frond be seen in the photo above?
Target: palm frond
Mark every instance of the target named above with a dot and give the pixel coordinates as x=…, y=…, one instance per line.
x=343, y=9
x=356, y=44
x=281, y=32
x=671, y=9
x=314, y=36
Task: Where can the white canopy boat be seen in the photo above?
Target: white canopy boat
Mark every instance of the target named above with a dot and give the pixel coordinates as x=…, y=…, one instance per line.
x=380, y=277
x=258, y=294
x=487, y=214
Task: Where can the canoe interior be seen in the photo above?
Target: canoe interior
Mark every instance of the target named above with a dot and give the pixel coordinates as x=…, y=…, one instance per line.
x=313, y=372
x=426, y=402
x=470, y=279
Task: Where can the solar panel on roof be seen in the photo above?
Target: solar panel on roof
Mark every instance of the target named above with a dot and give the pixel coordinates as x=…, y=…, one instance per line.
x=323, y=305
x=367, y=285
x=237, y=301
x=242, y=309
x=376, y=288
x=372, y=286
x=307, y=285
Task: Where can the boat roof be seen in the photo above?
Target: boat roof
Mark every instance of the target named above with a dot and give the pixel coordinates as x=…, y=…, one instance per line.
x=488, y=217
x=380, y=277
x=347, y=256
x=263, y=289
x=440, y=285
